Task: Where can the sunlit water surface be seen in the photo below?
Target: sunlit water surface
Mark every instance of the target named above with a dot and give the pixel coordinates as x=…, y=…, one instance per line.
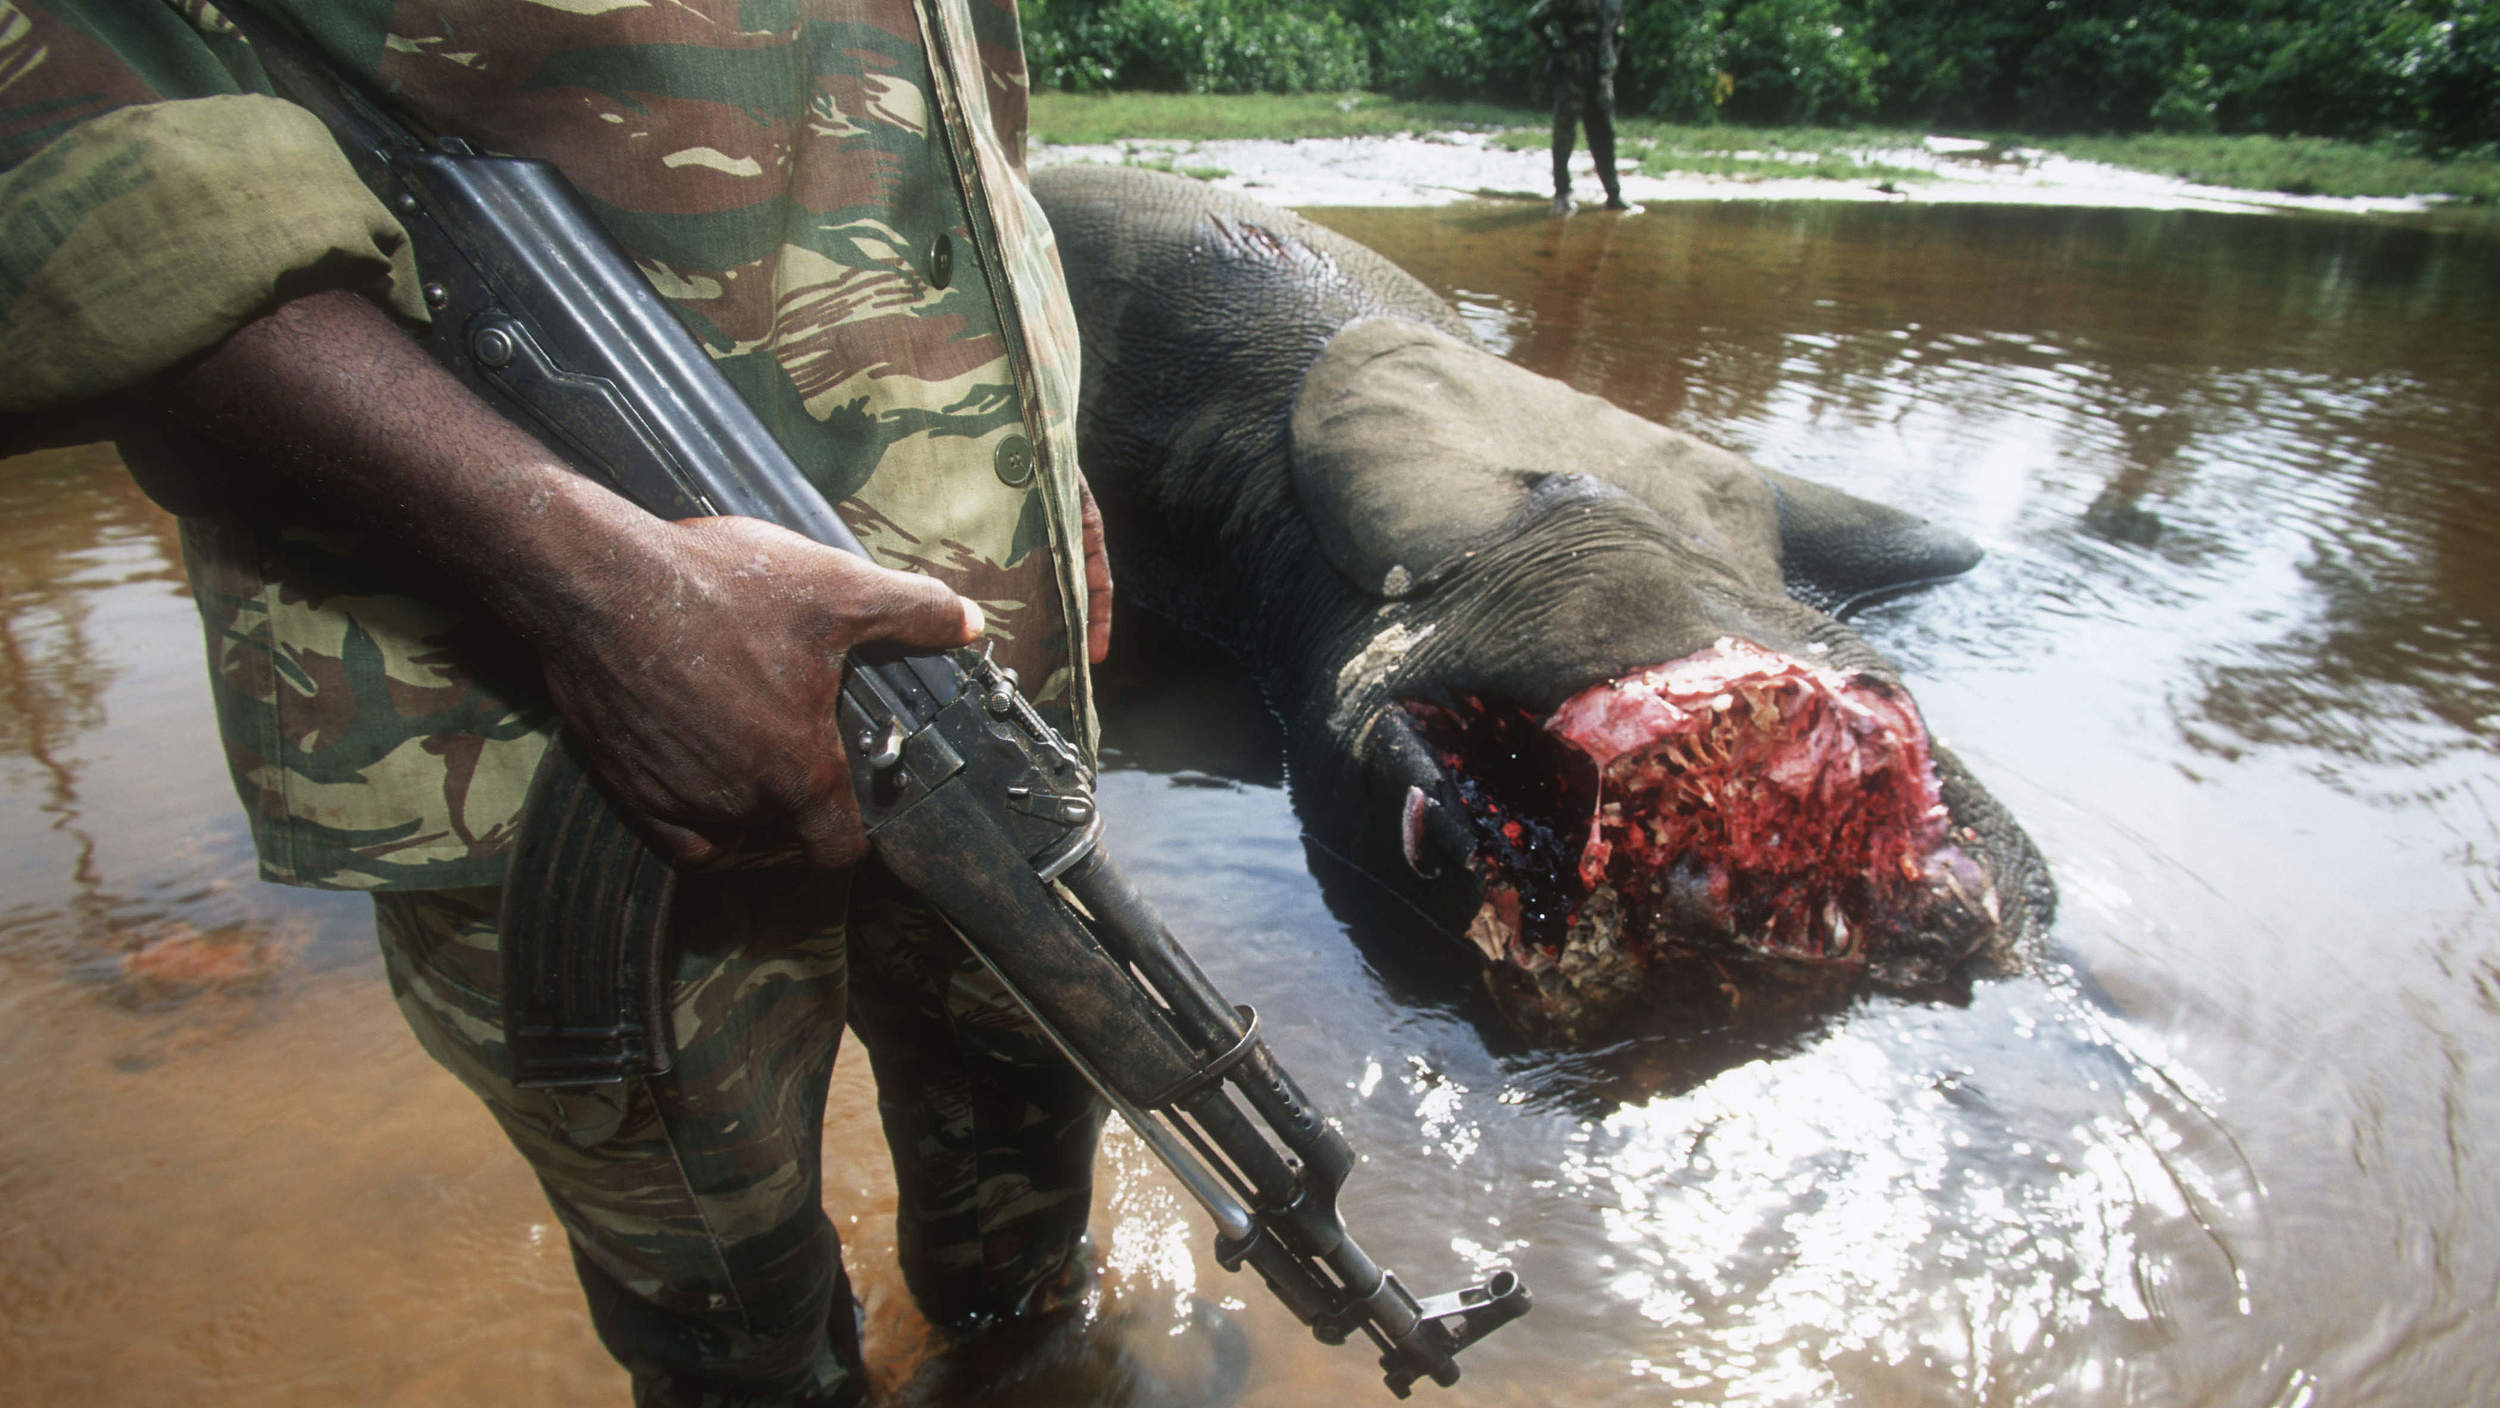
x=2232, y=659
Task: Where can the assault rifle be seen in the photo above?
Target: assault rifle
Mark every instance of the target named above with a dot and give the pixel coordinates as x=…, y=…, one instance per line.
x=968, y=796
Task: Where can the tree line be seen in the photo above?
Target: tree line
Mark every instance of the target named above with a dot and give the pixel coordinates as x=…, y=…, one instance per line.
x=2427, y=71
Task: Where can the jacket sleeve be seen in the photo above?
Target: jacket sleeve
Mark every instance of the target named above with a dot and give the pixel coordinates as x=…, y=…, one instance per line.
x=1541, y=23
x=151, y=202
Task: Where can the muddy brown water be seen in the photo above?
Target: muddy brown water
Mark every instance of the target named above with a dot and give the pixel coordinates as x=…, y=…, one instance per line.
x=2232, y=658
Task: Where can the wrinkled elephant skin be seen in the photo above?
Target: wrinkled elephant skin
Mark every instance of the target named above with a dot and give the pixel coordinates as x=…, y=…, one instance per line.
x=1555, y=675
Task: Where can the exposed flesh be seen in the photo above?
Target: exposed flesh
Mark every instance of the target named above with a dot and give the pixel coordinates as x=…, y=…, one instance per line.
x=1736, y=797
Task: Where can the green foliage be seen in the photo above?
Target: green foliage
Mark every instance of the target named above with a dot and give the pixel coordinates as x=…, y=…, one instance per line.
x=2188, y=100
x=1948, y=64
x=1674, y=60
x=2298, y=165
x=2423, y=72
x=2104, y=73
x=2361, y=69
x=1098, y=119
x=2455, y=65
x=1452, y=49
x=1797, y=61
x=1434, y=53
x=2334, y=72
x=1159, y=128
x=1195, y=46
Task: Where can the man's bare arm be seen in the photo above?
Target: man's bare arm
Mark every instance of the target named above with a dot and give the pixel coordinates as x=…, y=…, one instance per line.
x=699, y=660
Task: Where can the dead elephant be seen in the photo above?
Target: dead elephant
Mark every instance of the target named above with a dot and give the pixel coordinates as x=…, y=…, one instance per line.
x=1552, y=673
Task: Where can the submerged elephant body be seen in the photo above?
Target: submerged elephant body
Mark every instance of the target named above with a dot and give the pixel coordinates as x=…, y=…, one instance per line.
x=1547, y=670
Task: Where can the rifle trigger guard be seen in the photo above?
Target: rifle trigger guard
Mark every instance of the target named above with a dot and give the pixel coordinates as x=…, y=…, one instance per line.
x=1216, y=1069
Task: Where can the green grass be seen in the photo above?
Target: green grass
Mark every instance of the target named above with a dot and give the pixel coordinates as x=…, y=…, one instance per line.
x=2300, y=165
x=1750, y=153
x=1107, y=119
x=2296, y=165
x=1091, y=119
x=1166, y=161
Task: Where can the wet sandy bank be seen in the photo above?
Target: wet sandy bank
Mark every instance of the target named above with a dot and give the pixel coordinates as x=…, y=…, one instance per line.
x=1441, y=167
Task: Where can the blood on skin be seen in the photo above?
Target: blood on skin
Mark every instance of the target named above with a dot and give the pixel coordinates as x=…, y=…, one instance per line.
x=1736, y=796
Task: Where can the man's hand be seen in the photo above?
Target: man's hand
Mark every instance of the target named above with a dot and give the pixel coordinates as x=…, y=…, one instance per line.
x=704, y=682
x=698, y=660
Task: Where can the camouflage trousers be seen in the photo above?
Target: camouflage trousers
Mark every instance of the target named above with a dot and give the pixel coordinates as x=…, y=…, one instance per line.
x=1584, y=96
x=692, y=1199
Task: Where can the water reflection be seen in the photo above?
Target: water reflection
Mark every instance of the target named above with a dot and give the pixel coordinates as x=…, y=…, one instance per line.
x=85, y=536
x=124, y=869
x=1890, y=1206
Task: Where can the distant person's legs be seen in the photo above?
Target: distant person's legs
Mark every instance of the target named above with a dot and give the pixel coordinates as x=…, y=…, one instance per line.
x=1598, y=115
x=1566, y=116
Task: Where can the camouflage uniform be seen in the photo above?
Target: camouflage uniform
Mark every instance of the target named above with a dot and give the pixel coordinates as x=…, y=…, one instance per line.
x=1582, y=41
x=831, y=194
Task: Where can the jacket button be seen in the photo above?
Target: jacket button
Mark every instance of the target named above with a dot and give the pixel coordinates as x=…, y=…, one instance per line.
x=1014, y=461
x=941, y=261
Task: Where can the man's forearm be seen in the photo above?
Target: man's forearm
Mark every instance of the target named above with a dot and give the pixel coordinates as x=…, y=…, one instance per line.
x=326, y=400
x=698, y=661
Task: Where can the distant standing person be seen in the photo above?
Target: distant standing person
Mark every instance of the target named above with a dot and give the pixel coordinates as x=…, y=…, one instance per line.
x=1582, y=40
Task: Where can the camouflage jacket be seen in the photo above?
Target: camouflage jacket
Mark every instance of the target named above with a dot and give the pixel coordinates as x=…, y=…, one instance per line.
x=1580, y=31
x=830, y=192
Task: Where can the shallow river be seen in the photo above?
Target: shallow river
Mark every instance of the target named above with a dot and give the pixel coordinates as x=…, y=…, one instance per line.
x=2234, y=659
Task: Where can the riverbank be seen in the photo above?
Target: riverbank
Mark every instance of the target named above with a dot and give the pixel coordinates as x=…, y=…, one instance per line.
x=1359, y=149
x=1439, y=167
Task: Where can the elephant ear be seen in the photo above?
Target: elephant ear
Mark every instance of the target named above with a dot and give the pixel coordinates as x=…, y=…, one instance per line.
x=1838, y=550
x=1413, y=450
